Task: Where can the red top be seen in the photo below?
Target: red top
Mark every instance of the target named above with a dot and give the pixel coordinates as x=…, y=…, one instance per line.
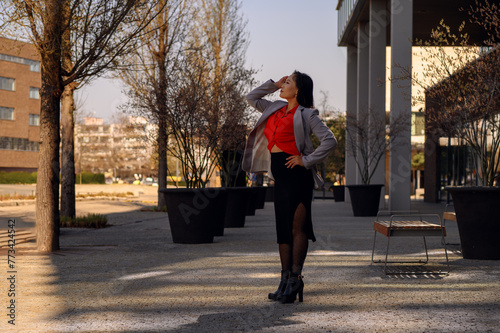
x=279, y=131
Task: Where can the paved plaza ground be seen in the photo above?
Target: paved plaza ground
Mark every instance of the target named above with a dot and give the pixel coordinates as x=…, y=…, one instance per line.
x=131, y=277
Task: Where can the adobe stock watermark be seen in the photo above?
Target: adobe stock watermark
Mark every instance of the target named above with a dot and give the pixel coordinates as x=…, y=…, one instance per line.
x=201, y=201
x=379, y=21
x=11, y=272
x=402, y=174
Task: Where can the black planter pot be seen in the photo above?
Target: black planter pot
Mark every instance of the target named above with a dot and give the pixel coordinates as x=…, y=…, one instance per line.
x=270, y=194
x=338, y=193
x=251, y=201
x=365, y=199
x=260, y=202
x=478, y=221
x=192, y=214
x=220, y=212
x=237, y=198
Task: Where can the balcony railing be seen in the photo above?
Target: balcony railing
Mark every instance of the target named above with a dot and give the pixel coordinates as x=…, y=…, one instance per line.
x=345, y=9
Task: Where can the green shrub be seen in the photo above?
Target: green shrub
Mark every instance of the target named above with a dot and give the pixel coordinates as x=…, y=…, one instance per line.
x=182, y=183
x=90, y=178
x=160, y=209
x=17, y=177
x=21, y=177
x=88, y=221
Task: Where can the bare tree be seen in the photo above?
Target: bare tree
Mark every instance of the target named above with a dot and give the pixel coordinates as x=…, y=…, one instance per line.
x=204, y=103
x=68, y=205
x=222, y=30
x=334, y=165
x=367, y=138
x=101, y=31
x=150, y=69
x=461, y=88
x=190, y=124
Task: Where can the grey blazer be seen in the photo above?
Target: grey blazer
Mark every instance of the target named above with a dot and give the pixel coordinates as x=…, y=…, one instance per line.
x=257, y=157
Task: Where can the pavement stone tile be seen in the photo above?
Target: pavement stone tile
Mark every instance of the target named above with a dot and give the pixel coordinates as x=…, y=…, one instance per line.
x=131, y=277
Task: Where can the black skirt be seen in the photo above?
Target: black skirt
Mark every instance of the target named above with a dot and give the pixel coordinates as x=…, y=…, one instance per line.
x=292, y=187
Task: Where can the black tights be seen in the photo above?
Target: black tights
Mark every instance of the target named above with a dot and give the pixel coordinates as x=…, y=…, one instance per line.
x=293, y=255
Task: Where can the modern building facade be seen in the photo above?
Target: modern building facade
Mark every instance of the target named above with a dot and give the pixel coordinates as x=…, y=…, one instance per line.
x=20, y=83
x=373, y=31
x=120, y=149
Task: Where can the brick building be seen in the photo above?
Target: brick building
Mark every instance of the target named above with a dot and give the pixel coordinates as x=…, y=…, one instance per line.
x=20, y=82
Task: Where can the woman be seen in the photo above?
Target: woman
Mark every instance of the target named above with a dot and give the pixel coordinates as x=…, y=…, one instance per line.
x=281, y=139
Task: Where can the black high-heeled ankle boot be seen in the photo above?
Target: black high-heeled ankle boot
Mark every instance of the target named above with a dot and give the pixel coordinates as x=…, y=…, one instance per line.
x=295, y=285
x=276, y=296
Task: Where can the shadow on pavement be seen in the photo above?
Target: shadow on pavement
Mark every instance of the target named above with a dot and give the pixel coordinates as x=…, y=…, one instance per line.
x=131, y=277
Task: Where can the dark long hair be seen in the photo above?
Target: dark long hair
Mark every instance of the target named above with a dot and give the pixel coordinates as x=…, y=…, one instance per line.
x=304, y=85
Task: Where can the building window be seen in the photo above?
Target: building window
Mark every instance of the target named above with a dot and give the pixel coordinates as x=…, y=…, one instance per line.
x=34, y=65
x=34, y=120
x=417, y=123
x=18, y=144
x=6, y=113
x=7, y=83
x=34, y=93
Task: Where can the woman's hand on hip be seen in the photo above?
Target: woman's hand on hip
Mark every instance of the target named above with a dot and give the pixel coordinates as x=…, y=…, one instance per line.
x=294, y=160
x=281, y=81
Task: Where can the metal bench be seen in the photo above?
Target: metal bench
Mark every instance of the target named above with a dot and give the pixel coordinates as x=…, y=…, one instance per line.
x=407, y=224
x=450, y=216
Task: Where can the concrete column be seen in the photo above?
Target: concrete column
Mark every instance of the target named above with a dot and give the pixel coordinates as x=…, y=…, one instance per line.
x=400, y=151
x=351, y=110
x=377, y=76
x=363, y=74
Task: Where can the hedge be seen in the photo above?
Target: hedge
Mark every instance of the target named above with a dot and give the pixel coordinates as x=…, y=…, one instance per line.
x=17, y=177
x=21, y=177
x=91, y=178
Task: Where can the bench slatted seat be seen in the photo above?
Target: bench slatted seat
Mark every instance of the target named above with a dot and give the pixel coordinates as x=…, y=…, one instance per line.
x=410, y=228
x=450, y=216
x=407, y=224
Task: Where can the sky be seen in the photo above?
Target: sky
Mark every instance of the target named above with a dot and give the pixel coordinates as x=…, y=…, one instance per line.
x=285, y=35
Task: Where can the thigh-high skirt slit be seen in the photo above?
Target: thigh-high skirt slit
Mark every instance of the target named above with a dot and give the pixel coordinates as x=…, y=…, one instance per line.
x=292, y=187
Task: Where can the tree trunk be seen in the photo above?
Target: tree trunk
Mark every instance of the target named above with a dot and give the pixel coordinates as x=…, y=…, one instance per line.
x=67, y=127
x=162, y=130
x=68, y=152
x=162, y=160
x=47, y=186
x=161, y=96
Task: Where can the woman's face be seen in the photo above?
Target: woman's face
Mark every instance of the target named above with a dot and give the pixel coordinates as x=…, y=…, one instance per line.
x=289, y=89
